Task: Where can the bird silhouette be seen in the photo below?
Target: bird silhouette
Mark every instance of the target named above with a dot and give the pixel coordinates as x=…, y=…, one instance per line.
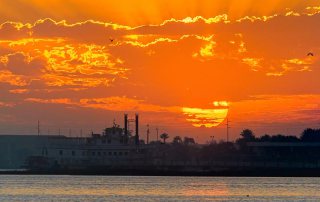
x=310, y=54
x=111, y=40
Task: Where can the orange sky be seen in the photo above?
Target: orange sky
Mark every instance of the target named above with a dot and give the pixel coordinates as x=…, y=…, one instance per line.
x=183, y=65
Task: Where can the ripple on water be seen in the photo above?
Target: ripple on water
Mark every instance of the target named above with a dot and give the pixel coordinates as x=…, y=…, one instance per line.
x=138, y=188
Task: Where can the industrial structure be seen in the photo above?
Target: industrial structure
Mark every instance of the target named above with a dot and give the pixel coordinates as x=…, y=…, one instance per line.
x=120, y=150
x=114, y=146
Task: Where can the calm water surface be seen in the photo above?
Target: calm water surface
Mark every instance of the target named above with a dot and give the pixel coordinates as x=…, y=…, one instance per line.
x=127, y=188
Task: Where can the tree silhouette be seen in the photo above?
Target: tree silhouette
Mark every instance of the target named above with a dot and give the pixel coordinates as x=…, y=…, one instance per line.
x=265, y=138
x=247, y=134
x=177, y=140
x=164, y=136
x=188, y=141
x=310, y=135
x=277, y=138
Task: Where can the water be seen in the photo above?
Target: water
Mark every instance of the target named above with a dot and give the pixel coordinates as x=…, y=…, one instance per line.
x=128, y=188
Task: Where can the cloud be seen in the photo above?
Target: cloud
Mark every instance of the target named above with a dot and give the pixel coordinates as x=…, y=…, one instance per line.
x=109, y=103
x=312, y=10
x=72, y=56
x=197, y=116
x=178, y=66
x=59, y=63
x=280, y=67
x=88, y=61
x=207, y=51
x=14, y=80
x=276, y=109
x=23, y=64
x=3, y=104
x=145, y=12
x=19, y=91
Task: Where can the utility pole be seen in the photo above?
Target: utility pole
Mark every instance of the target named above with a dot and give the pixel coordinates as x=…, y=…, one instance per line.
x=128, y=125
x=148, y=132
x=157, y=129
x=212, y=137
x=38, y=128
x=228, y=127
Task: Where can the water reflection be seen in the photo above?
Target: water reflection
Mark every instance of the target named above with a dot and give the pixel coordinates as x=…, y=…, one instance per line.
x=119, y=188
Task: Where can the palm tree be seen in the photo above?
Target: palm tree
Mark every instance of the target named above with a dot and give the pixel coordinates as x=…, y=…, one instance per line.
x=164, y=136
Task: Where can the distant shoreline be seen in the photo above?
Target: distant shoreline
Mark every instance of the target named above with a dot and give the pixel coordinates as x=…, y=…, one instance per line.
x=225, y=173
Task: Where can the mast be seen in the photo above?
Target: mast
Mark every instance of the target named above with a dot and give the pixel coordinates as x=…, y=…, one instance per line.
x=38, y=128
x=148, y=132
x=137, y=130
x=228, y=127
x=157, y=129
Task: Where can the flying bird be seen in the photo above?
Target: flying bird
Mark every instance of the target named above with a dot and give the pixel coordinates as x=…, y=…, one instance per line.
x=111, y=40
x=310, y=54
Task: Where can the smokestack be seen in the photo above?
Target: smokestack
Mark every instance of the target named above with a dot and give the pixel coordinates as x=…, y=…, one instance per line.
x=137, y=130
x=126, y=125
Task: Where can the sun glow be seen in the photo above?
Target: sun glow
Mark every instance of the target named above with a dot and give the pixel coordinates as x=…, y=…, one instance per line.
x=167, y=59
x=207, y=117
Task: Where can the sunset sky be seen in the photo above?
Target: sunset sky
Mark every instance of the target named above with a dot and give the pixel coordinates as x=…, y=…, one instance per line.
x=183, y=65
